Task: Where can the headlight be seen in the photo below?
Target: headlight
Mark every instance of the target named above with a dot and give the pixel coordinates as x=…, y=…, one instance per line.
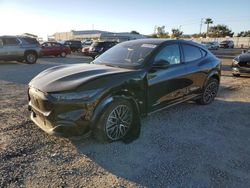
x=235, y=61
x=83, y=95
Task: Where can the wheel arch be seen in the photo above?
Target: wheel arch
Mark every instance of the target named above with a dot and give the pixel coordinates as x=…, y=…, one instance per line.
x=134, y=132
x=103, y=104
x=30, y=51
x=213, y=74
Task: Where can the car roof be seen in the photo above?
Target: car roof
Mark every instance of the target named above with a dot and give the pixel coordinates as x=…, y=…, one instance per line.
x=162, y=41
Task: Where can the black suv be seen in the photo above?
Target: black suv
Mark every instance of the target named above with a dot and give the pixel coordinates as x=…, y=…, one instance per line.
x=75, y=45
x=127, y=82
x=98, y=47
x=19, y=48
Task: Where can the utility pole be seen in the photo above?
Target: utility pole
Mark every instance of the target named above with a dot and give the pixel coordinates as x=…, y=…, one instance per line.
x=201, y=24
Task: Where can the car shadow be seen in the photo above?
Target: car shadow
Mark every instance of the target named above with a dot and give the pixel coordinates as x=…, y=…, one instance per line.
x=188, y=145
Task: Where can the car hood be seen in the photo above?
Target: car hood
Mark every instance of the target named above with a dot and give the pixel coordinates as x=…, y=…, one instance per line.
x=68, y=77
x=244, y=57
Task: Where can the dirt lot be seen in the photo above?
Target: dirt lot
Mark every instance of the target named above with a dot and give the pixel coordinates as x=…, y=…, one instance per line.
x=184, y=146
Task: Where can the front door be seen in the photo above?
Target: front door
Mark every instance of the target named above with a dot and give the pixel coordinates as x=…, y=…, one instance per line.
x=166, y=84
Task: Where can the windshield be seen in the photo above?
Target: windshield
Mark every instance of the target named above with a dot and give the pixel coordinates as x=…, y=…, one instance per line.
x=127, y=54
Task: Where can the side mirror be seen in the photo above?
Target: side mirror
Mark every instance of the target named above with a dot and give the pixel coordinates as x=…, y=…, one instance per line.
x=161, y=64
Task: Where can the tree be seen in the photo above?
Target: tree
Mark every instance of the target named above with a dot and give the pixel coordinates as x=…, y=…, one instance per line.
x=208, y=21
x=160, y=32
x=176, y=33
x=220, y=31
x=134, y=32
x=244, y=34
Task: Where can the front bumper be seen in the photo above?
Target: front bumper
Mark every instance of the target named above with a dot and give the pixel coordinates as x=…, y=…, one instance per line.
x=239, y=70
x=55, y=118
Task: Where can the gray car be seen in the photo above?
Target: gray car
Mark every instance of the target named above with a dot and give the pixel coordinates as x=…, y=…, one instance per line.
x=19, y=48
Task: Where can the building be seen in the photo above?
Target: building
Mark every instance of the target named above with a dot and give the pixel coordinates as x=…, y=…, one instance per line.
x=96, y=35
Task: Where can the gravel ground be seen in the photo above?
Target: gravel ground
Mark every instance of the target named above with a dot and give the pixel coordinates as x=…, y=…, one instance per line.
x=184, y=146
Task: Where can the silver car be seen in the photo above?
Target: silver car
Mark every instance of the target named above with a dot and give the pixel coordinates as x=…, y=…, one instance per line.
x=19, y=48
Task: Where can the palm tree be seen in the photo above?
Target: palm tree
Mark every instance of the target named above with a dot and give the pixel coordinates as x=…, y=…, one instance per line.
x=208, y=21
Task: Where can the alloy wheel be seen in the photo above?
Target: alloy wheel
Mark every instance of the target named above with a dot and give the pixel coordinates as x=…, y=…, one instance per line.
x=31, y=58
x=119, y=122
x=210, y=92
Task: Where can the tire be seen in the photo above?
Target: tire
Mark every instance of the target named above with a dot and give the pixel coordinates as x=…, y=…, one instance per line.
x=111, y=125
x=236, y=75
x=209, y=92
x=30, y=57
x=63, y=54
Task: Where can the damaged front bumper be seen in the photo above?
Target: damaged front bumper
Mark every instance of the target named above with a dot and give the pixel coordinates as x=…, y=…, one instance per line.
x=58, y=118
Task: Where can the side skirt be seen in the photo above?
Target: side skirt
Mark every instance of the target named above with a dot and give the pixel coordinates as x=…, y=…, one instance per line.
x=175, y=103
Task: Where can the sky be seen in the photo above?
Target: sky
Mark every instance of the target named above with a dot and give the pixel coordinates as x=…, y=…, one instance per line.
x=45, y=17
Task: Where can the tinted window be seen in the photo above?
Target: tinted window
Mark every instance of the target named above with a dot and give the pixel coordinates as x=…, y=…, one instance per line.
x=170, y=53
x=10, y=41
x=191, y=53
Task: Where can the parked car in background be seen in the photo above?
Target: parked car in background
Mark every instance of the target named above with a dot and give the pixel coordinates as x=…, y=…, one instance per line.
x=19, y=48
x=241, y=64
x=55, y=49
x=215, y=45
x=87, y=41
x=98, y=47
x=227, y=44
x=75, y=45
x=129, y=81
x=210, y=45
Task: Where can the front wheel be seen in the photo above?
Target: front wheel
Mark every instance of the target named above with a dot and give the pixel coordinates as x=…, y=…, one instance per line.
x=209, y=92
x=116, y=121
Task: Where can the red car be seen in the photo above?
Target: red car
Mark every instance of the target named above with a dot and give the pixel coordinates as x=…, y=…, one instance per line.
x=85, y=51
x=55, y=49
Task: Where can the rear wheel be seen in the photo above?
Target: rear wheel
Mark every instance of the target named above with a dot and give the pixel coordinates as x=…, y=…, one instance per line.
x=209, y=92
x=30, y=57
x=115, y=122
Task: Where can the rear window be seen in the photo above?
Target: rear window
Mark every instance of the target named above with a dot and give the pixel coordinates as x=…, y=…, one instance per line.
x=203, y=53
x=191, y=53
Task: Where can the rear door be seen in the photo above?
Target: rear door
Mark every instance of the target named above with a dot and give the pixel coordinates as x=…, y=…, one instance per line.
x=197, y=67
